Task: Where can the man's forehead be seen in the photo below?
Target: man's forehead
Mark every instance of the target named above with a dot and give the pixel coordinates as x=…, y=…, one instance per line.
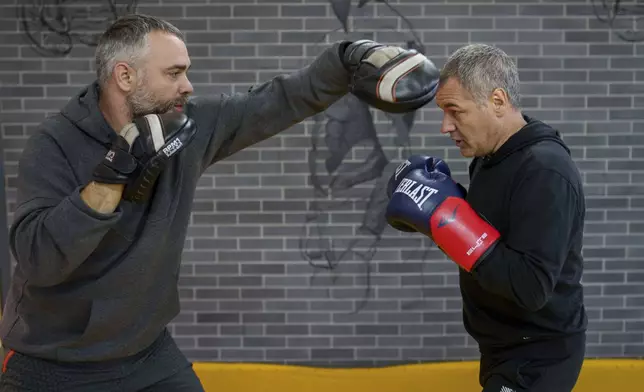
x=448, y=91
x=163, y=38
x=168, y=46
x=452, y=90
x=449, y=85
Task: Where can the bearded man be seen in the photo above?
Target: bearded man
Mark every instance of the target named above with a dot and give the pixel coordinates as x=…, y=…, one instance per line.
x=105, y=192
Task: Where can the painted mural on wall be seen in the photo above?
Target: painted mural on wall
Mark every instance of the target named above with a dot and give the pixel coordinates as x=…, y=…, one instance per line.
x=620, y=17
x=350, y=163
x=55, y=27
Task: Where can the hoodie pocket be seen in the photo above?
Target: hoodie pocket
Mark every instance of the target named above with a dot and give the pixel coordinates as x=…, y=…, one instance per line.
x=124, y=326
x=47, y=319
x=109, y=318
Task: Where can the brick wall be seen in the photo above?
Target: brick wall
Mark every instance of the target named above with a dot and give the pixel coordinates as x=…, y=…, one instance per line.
x=270, y=272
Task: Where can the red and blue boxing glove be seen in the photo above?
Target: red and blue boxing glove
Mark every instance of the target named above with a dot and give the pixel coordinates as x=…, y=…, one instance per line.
x=424, y=198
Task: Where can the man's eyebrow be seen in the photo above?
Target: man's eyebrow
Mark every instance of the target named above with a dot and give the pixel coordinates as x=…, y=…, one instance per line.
x=182, y=67
x=449, y=105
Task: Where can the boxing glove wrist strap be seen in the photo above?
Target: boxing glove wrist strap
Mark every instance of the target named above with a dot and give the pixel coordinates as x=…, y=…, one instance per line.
x=461, y=233
x=117, y=166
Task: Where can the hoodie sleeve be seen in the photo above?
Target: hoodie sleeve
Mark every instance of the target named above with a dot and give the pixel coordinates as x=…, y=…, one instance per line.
x=525, y=265
x=53, y=230
x=242, y=120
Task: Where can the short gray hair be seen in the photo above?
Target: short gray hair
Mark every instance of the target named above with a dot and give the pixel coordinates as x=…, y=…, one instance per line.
x=127, y=40
x=480, y=69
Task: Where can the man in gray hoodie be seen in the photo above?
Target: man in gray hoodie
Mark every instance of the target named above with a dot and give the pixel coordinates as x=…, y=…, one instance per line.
x=96, y=278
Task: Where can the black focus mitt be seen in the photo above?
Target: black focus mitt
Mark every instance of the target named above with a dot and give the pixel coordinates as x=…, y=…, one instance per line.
x=141, y=152
x=390, y=78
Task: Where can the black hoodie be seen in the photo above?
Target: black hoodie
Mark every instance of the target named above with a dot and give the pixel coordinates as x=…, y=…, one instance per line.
x=91, y=286
x=528, y=287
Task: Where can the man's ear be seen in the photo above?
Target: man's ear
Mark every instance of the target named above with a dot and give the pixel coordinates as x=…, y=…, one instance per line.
x=125, y=76
x=500, y=101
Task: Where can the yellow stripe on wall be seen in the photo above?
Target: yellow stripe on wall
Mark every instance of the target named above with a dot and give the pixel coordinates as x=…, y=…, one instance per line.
x=598, y=375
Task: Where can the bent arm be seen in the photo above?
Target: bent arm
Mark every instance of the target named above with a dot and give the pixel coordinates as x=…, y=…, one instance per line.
x=242, y=120
x=102, y=198
x=54, y=230
x=524, y=265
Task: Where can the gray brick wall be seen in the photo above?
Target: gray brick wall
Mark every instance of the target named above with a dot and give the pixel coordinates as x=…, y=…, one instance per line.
x=267, y=278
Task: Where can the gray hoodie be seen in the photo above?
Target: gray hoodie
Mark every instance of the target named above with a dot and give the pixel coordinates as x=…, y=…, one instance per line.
x=89, y=286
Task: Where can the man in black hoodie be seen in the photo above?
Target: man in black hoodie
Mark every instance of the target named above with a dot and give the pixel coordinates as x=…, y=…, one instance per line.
x=516, y=234
x=98, y=237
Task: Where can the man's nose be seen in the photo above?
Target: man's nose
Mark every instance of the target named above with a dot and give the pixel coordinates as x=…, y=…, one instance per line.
x=186, y=87
x=447, y=125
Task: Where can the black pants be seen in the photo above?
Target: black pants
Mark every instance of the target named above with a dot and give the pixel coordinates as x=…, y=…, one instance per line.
x=160, y=368
x=549, y=366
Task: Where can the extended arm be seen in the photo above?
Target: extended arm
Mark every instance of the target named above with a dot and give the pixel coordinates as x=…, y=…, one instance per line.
x=242, y=120
x=388, y=78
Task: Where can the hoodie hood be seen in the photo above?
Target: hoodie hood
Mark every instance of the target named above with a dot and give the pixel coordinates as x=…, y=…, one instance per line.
x=83, y=111
x=533, y=132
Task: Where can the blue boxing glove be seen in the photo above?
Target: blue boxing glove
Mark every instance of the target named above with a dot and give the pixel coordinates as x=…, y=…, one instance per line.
x=416, y=162
x=427, y=200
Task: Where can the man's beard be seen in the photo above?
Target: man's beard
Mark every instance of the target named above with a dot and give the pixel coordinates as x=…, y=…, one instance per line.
x=143, y=102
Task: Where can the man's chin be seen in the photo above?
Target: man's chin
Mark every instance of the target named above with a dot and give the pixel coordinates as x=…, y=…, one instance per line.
x=142, y=113
x=467, y=152
x=161, y=110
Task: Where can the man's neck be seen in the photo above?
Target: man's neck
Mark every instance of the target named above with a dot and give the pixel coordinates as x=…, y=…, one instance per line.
x=113, y=109
x=517, y=122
